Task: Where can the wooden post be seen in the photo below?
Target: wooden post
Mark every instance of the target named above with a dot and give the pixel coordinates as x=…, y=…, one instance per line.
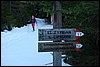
x=57, y=24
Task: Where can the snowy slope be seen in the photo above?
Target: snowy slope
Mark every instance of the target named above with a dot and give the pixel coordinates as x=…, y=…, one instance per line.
x=19, y=47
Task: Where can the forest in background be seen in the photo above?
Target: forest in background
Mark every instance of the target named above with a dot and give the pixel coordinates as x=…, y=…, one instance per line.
x=83, y=15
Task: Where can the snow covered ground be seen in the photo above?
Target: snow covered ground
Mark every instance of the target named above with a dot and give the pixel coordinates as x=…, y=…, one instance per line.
x=19, y=47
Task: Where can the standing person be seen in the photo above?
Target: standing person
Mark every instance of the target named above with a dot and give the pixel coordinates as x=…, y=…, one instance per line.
x=33, y=21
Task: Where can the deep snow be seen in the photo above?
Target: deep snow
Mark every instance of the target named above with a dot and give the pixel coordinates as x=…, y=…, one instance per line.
x=19, y=47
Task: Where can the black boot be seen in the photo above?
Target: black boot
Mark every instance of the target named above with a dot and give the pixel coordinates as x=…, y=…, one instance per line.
x=33, y=29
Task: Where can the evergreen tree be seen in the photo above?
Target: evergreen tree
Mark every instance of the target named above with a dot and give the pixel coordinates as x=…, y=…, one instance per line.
x=84, y=15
